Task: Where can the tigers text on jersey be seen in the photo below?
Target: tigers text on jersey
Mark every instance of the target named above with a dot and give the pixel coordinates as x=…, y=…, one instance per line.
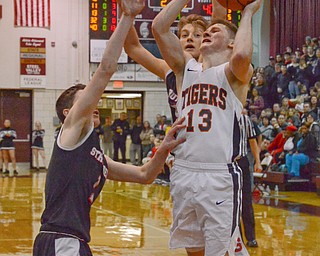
x=212, y=112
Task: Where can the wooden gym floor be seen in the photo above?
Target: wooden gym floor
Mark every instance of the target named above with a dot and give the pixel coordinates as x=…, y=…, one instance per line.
x=132, y=219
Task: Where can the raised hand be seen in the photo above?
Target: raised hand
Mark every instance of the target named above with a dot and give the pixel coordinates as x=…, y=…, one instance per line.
x=253, y=7
x=170, y=141
x=131, y=7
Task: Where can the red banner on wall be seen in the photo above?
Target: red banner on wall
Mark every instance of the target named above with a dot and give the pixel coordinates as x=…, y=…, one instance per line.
x=33, y=62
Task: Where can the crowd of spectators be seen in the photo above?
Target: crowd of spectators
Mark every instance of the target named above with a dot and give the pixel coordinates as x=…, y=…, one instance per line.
x=285, y=96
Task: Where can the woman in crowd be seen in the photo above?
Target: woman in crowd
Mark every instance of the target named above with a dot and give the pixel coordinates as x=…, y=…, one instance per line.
x=256, y=103
x=266, y=128
x=145, y=135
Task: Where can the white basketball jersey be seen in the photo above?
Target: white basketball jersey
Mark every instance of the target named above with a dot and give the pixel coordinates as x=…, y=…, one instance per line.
x=212, y=112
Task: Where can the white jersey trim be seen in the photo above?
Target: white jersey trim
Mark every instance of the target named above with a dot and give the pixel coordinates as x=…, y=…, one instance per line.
x=78, y=144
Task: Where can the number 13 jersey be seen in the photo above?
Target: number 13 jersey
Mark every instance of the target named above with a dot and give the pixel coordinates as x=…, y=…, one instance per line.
x=212, y=111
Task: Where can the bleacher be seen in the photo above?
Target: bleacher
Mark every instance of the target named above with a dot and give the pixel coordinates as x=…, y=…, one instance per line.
x=309, y=180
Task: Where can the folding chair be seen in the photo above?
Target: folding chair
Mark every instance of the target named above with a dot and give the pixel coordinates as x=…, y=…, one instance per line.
x=258, y=177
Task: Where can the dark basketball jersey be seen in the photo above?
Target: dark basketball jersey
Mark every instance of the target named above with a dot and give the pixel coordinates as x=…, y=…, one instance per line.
x=37, y=138
x=7, y=136
x=172, y=93
x=74, y=180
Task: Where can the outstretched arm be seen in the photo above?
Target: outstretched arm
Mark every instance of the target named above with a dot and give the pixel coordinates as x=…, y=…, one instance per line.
x=168, y=43
x=148, y=172
x=142, y=56
x=242, y=51
x=80, y=116
x=218, y=11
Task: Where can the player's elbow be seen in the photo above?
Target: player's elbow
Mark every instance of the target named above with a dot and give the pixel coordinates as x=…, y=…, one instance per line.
x=157, y=28
x=241, y=68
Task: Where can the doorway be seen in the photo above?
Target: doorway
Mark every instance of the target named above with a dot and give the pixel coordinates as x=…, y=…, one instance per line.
x=16, y=105
x=112, y=104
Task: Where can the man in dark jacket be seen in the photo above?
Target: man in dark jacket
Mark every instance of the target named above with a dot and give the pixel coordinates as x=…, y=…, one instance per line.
x=120, y=127
x=135, y=147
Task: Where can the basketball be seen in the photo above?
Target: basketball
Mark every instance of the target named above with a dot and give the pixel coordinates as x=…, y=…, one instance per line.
x=235, y=5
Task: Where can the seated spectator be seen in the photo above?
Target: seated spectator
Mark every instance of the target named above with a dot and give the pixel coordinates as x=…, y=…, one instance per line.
x=268, y=112
x=276, y=110
x=301, y=98
x=310, y=57
x=314, y=107
x=307, y=41
x=276, y=146
x=305, y=152
x=314, y=127
x=316, y=67
x=287, y=58
x=314, y=91
x=293, y=117
x=283, y=83
x=264, y=148
x=256, y=103
x=285, y=103
x=284, y=112
x=263, y=90
x=317, y=87
x=303, y=73
x=266, y=128
x=315, y=43
x=292, y=71
x=279, y=126
x=279, y=59
x=269, y=70
x=306, y=111
x=298, y=53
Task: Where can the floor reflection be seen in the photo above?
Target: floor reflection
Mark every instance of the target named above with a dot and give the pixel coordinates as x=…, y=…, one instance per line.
x=132, y=219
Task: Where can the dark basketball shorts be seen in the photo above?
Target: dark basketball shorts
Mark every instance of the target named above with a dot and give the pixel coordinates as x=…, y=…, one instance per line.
x=56, y=244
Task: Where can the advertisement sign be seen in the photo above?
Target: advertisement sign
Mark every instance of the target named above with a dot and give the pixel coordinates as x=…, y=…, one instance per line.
x=32, y=62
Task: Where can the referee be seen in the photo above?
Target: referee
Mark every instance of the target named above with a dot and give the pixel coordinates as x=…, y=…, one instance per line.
x=248, y=134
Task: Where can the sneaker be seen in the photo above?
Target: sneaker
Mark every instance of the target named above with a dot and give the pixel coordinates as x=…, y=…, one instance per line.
x=165, y=183
x=157, y=181
x=252, y=243
x=15, y=173
x=5, y=173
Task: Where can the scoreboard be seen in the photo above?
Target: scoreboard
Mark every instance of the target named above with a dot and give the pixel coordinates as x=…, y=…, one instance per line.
x=104, y=15
x=103, y=19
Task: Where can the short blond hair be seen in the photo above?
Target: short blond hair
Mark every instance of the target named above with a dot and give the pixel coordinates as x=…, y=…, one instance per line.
x=231, y=27
x=193, y=19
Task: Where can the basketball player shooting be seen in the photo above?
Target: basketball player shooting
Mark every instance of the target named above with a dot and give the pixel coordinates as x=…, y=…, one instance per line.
x=205, y=180
x=78, y=169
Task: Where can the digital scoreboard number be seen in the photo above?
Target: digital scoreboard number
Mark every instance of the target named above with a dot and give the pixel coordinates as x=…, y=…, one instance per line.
x=104, y=15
